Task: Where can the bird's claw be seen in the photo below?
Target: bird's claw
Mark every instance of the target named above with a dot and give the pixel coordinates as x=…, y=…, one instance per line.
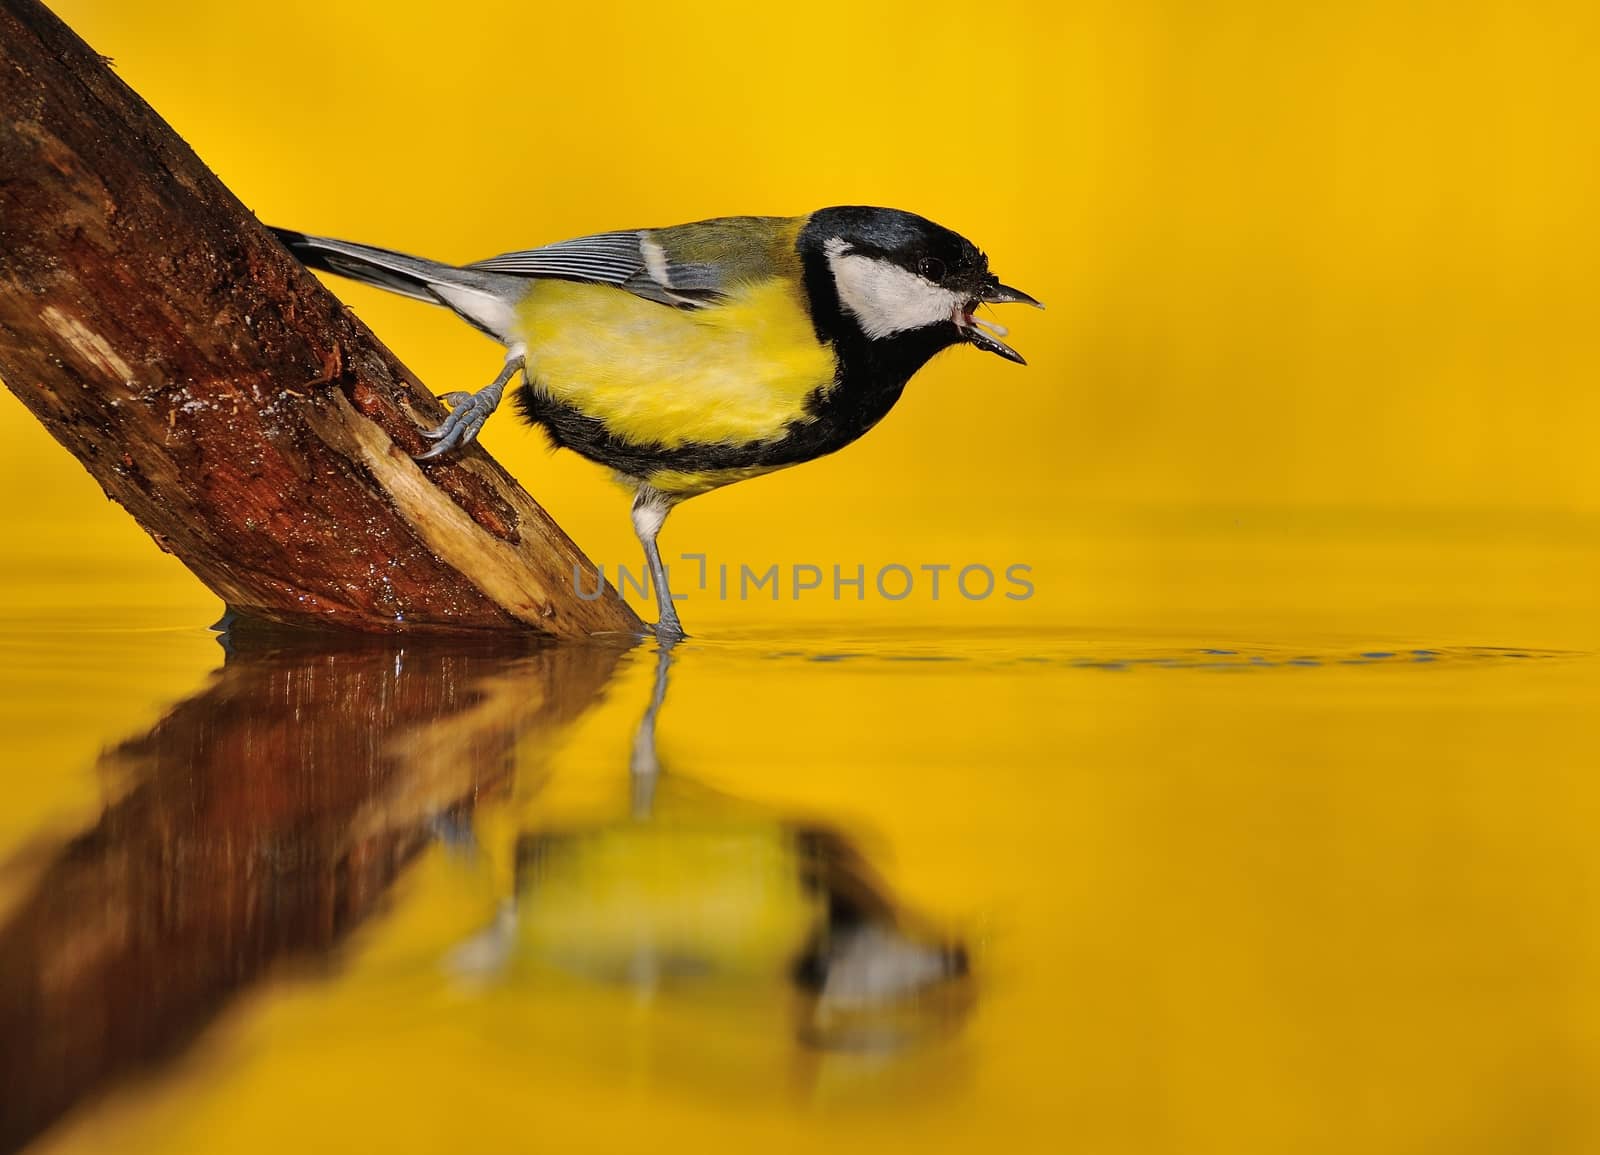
x=468, y=412
x=668, y=630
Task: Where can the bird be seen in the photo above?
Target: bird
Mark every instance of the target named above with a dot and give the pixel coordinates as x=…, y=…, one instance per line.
x=693, y=356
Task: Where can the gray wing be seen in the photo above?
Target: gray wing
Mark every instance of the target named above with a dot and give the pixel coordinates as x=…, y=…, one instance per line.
x=629, y=260
x=687, y=266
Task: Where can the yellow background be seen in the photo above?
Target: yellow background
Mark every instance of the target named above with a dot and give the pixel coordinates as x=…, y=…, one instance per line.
x=1317, y=377
x=1339, y=258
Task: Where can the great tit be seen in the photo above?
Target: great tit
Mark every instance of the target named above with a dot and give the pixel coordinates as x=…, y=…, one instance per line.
x=690, y=357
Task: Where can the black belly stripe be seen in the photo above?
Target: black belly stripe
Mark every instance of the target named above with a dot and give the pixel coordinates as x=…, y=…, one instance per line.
x=588, y=436
x=830, y=429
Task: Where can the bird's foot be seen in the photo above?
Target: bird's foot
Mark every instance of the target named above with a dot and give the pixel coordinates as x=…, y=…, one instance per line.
x=468, y=412
x=668, y=631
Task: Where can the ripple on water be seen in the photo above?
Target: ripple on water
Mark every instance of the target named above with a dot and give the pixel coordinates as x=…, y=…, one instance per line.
x=1122, y=655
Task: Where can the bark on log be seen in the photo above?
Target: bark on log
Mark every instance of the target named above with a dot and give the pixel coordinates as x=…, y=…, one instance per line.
x=216, y=390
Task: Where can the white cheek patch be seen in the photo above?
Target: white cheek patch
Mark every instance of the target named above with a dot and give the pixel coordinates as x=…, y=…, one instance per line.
x=884, y=298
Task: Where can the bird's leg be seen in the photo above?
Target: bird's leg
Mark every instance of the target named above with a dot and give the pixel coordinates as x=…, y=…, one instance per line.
x=468, y=411
x=650, y=509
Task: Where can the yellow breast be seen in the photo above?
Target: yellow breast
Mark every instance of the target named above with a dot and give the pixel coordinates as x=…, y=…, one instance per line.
x=738, y=371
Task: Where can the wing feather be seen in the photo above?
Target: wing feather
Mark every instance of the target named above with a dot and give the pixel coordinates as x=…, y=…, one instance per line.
x=603, y=259
x=686, y=266
x=606, y=258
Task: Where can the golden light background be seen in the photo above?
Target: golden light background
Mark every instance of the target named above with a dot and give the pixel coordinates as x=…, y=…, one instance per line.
x=1339, y=260
x=1319, y=369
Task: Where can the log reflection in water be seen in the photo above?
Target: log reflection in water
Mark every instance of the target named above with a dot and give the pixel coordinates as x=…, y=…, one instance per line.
x=258, y=822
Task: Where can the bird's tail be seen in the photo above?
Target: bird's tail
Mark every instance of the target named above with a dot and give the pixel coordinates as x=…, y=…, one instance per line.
x=487, y=300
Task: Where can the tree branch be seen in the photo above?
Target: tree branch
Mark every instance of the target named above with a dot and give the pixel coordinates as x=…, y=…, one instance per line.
x=216, y=390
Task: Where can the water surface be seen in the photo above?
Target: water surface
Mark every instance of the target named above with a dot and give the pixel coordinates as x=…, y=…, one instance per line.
x=864, y=885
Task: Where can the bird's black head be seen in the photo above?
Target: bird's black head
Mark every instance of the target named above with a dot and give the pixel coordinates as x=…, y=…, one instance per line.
x=894, y=273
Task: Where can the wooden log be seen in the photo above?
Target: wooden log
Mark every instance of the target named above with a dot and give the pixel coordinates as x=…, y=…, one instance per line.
x=214, y=388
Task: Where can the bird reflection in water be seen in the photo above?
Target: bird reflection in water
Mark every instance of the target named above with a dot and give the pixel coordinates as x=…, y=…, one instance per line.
x=692, y=889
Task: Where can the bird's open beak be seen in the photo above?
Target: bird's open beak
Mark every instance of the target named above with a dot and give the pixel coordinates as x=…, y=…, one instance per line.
x=985, y=334
x=1005, y=295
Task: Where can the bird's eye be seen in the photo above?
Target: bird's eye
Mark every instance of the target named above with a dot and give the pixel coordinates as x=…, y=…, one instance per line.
x=932, y=268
